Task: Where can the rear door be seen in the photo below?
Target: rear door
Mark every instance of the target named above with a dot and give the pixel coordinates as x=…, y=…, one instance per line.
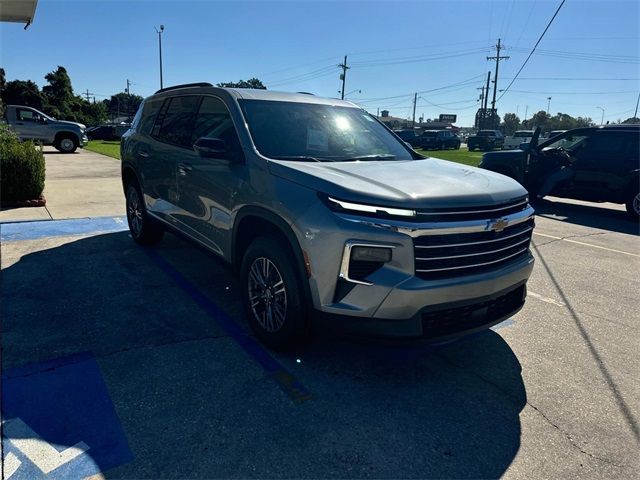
x=169, y=145
x=602, y=166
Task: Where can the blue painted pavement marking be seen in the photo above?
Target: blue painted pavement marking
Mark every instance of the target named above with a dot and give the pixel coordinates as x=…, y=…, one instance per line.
x=287, y=382
x=10, y=232
x=59, y=422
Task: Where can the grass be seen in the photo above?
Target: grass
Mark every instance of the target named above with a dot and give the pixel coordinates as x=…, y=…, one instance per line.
x=461, y=156
x=111, y=149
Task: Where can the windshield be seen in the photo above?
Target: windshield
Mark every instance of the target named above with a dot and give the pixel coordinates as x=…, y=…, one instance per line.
x=306, y=131
x=486, y=133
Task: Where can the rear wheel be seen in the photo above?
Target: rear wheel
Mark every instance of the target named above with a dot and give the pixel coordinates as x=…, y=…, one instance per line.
x=633, y=206
x=144, y=230
x=272, y=294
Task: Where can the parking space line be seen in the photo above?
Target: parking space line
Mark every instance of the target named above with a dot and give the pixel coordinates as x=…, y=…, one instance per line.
x=285, y=380
x=586, y=244
x=542, y=298
x=12, y=232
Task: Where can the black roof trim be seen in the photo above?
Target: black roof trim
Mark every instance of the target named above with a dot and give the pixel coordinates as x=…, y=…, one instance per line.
x=185, y=85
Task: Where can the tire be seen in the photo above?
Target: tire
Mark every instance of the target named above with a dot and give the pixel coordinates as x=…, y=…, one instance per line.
x=633, y=205
x=277, y=313
x=144, y=230
x=457, y=147
x=66, y=143
x=443, y=146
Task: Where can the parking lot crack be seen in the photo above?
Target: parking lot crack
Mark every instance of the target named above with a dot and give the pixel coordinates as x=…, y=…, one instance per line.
x=572, y=441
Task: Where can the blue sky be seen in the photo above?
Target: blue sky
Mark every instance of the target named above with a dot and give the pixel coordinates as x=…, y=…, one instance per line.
x=395, y=48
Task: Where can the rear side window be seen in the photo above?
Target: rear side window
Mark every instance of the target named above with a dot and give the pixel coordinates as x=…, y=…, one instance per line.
x=175, y=126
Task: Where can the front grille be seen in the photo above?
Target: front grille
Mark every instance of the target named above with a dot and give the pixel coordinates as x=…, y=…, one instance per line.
x=456, y=214
x=448, y=256
x=449, y=321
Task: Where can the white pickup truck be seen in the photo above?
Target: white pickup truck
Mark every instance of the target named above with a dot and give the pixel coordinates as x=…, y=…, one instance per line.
x=513, y=142
x=31, y=124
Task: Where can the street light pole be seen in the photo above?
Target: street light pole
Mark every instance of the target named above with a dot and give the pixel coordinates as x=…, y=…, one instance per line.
x=159, y=32
x=548, y=104
x=602, y=120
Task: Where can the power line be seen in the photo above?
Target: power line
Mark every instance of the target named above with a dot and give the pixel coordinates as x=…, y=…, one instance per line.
x=534, y=48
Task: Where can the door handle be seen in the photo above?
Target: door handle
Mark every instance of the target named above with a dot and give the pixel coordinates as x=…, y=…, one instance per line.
x=184, y=168
x=143, y=154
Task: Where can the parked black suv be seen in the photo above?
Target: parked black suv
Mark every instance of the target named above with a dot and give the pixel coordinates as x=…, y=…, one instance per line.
x=606, y=162
x=439, y=140
x=410, y=136
x=486, y=140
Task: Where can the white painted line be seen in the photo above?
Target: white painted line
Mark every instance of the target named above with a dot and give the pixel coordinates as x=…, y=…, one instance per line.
x=546, y=299
x=586, y=244
x=11, y=464
x=44, y=455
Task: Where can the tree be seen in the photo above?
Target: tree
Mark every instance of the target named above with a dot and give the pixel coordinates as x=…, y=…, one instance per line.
x=510, y=123
x=632, y=120
x=122, y=105
x=251, y=83
x=3, y=82
x=540, y=119
x=58, y=93
x=21, y=92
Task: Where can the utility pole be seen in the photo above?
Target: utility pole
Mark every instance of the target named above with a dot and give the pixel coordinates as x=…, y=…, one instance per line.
x=87, y=94
x=548, y=104
x=486, y=97
x=481, y=96
x=635, y=115
x=526, y=110
x=497, y=58
x=343, y=75
x=159, y=32
x=415, y=99
x=128, y=83
x=378, y=114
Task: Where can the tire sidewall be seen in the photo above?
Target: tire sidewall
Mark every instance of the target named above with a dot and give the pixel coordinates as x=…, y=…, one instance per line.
x=69, y=150
x=296, y=324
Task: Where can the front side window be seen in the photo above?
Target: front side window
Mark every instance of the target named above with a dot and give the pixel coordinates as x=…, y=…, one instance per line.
x=28, y=116
x=570, y=143
x=214, y=121
x=292, y=130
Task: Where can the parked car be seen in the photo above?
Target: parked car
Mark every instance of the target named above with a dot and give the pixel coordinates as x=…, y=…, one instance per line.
x=485, y=140
x=606, y=162
x=412, y=137
x=31, y=124
x=103, y=132
x=324, y=213
x=513, y=142
x=439, y=140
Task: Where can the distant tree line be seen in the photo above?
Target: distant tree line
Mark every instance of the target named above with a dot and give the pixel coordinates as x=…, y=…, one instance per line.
x=58, y=99
x=548, y=123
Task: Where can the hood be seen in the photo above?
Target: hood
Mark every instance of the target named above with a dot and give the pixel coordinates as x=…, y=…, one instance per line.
x=402, y=183
x=64, y=122
x=503, y=157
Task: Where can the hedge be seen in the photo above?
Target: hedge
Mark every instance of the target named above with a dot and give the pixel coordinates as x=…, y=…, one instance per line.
x=22, y=168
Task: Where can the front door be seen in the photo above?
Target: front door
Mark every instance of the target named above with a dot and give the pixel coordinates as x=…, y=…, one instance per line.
x=207, y=187
x=29, y=124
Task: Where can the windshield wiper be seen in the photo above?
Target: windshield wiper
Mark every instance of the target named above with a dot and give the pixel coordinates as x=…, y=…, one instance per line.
x=300, y=158
x=368, y=157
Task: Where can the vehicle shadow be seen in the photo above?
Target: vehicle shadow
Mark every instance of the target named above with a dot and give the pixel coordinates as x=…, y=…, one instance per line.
x=593, y=216
x=193, y=404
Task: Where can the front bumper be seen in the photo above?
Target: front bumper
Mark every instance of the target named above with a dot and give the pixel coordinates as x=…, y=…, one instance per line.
x=84, y=140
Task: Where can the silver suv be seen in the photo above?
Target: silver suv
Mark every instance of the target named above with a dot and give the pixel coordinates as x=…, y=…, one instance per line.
x=326, y=214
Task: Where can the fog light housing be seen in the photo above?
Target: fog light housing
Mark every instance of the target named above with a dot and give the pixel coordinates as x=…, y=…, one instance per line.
x=371, y=254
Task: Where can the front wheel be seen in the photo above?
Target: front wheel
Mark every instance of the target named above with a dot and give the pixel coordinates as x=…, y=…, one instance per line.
x=142, y=227
x=272, y=295
x=633, y=206
x=66, y=144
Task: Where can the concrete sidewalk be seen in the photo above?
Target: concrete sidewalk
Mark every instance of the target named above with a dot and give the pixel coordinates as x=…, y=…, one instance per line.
x=78, y=185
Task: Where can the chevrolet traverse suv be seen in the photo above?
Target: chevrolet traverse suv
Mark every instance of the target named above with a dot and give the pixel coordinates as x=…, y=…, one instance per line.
x=324, y=213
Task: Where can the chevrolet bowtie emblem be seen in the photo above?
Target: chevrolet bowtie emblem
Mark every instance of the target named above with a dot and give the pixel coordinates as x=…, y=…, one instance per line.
x=498, y=225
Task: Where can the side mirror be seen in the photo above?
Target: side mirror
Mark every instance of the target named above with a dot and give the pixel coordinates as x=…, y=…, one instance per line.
x=43, y=120
x=525, y=146
x=212, y=148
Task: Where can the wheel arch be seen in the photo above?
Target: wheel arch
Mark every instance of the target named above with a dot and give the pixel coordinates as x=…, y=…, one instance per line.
x=65, y=134
x=250, y=223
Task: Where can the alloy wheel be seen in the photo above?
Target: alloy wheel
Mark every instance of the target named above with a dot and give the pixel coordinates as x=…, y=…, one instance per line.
x=267, y=294
x=134, y=211
x=66, y=144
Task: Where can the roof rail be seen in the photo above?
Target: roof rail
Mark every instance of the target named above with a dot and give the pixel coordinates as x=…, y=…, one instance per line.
x=186, y=85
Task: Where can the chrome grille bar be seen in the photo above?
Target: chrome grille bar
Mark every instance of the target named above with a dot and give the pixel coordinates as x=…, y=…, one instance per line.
x=457, y=267
x=486, y=252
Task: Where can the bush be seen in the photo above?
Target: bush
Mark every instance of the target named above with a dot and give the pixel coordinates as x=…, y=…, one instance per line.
x=22, y=168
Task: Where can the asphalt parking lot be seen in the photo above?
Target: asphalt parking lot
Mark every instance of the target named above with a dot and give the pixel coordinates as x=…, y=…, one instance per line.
x=126, y=362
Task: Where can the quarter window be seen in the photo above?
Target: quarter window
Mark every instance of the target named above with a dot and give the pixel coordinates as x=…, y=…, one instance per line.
x=28, y=116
